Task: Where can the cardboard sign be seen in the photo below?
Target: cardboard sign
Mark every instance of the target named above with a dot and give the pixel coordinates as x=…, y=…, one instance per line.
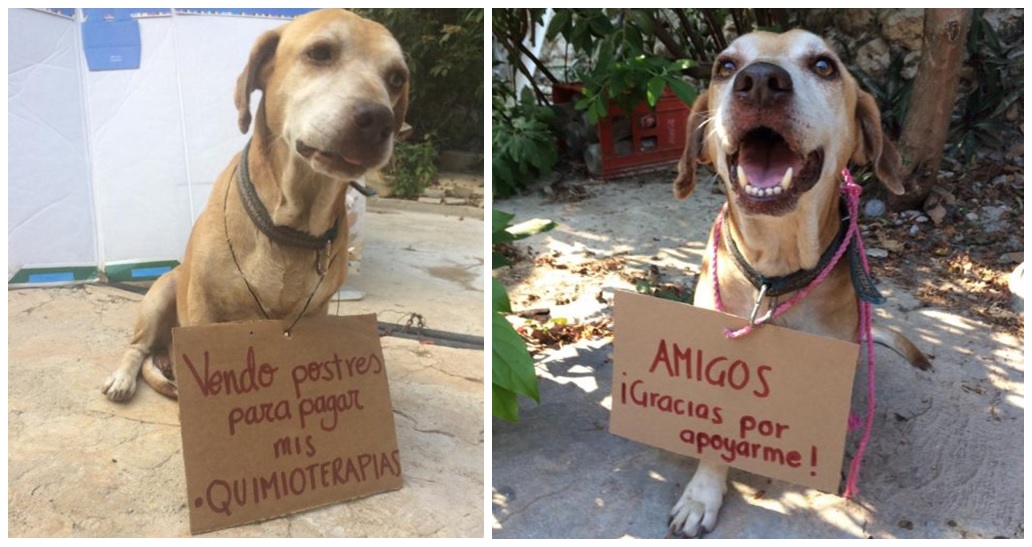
x=274, y=424
x=774, y=402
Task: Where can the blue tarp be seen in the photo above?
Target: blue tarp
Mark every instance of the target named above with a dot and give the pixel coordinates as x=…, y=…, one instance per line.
x=277, y=13
x=111, y=39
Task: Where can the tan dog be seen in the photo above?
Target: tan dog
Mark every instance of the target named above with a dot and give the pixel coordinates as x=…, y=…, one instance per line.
x=272, y=241
x=781, y=119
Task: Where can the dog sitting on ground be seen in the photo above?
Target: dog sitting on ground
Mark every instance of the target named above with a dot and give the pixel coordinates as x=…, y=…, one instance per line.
x=272, y=241
x=781, y=119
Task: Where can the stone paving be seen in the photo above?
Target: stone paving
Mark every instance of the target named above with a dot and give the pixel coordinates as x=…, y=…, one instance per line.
x=80, y=465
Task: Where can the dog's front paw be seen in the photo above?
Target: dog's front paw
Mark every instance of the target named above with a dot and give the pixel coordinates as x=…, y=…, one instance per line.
x=700, y=503
x=119, y=387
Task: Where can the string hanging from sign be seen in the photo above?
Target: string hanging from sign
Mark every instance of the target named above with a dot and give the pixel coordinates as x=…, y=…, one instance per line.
x=319, y=268
x=851, y=193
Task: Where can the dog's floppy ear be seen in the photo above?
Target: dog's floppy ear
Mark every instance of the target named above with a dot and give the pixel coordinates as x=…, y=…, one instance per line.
x=401, y=129
x=694, y=148
x=250, y=78
x=873, y=147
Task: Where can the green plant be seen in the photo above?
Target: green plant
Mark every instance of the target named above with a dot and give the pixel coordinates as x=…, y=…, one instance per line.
x=628, y=81
x=996, y=84
x=512, y=369
x=615, y=53
x=444, y=50
x=622, y=68
x=510, y=28
x=892, y=92
x=413, y=167
x=607, y=48
x=523, y=143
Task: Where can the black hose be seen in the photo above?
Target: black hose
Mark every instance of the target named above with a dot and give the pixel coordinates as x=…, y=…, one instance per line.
x=397, y=330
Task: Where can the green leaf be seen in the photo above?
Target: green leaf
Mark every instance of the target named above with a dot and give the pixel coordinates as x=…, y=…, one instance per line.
x=605, y=54
x=559, y=24
x=511, y=365
x=499, y=298
x=498, y=260
x=516, y=151
x=501, y=237
x=530, y=227
x=685, y=92
x=598, y=111
x=684, y=64
x=500, y=220
x=654, y=90
x=544, y=157
x=505, y=180
x=642, y=20
x=504, y=404
x=601, y=25
x=499, y=227
x=634, y=38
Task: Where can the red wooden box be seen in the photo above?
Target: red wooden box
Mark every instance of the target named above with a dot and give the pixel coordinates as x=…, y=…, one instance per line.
x=647, y=140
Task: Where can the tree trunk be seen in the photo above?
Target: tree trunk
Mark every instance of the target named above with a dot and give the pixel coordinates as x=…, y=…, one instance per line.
x=931, y=103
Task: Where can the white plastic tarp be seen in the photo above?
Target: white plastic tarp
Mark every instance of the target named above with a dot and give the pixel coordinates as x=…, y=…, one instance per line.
x=113, y=166
x=50, y=203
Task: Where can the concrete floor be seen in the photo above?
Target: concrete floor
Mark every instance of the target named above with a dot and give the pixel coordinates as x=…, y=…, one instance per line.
x=946, y=457
x=80, y=465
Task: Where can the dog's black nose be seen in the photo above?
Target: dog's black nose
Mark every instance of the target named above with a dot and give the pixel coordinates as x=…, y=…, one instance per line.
x=374, y=121
x=763, y=84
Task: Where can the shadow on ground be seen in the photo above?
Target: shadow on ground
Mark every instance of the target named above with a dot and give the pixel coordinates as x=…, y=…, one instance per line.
x=80, y=465
x=946, y=454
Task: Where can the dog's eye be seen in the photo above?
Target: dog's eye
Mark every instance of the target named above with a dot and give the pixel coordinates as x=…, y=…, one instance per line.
x=319, y=53
x=824, y=67
x=396, y=79
x=725, y=68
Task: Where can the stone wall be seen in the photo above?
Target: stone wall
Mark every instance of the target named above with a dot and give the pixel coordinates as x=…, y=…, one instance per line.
x=867, y=37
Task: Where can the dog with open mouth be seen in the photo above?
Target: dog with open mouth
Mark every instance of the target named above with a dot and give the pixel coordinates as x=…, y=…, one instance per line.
x=781, y=119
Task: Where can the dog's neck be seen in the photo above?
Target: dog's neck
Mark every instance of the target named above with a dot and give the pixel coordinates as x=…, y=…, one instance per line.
x=295, y=196
x=782, y=245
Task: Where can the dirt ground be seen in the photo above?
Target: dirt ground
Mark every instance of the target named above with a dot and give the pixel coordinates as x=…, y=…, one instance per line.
x=81, y=465
x=946, y=458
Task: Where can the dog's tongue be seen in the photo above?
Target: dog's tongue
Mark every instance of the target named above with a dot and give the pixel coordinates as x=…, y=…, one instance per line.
x=765, y=161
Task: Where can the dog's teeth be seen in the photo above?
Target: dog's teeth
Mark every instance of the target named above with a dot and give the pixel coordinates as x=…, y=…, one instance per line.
x=786, y=180
x=756, y=191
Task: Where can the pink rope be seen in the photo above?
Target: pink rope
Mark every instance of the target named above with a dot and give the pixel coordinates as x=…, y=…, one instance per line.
x=851, y=191
x=713, y=259
x=787, y=305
